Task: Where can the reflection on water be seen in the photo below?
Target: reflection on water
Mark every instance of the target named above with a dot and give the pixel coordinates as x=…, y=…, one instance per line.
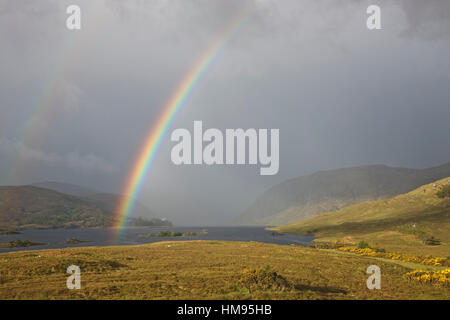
x=57, y=238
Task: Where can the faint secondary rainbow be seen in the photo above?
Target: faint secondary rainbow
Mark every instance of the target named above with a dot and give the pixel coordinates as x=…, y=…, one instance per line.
x=153, y=141
x=33, y=131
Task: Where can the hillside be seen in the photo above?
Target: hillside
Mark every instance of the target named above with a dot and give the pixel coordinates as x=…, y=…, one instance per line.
x=396, y=223
x=33, y=207
x=309, y=196
x=66, y=188
x=106, y=201
x=28, y=206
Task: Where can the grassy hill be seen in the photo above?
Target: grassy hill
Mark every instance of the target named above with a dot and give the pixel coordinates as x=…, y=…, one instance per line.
x=309, y=196
x=28, y=206
x=34, y=207
x=401, y=223
x=106, y=201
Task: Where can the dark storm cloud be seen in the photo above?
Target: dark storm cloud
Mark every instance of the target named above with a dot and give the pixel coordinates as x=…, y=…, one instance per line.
x=341, y=95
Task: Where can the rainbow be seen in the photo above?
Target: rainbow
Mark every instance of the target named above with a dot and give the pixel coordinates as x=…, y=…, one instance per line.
x=158, y=131
x=33, y=131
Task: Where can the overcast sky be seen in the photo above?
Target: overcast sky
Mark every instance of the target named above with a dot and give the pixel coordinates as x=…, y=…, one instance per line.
x=75, y=106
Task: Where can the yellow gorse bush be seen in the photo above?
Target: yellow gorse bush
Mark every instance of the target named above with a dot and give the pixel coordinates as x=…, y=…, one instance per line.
x=439, y=278
x=432, y=261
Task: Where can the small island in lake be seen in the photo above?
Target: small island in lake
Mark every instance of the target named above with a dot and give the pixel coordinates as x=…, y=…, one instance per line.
x=167, y=234
x=8, y=232
x=75, y=241
x=20, y=243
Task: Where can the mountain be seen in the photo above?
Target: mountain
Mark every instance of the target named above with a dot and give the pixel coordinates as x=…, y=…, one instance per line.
x=36, y=207
x=107, y=201
x=418, y=215
x=29, y=206
x=308, y=196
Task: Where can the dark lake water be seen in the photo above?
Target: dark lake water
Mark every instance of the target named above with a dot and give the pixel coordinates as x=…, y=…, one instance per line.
x=56, y=238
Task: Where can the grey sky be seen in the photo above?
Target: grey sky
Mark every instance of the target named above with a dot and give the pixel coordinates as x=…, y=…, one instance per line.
x=76, y=106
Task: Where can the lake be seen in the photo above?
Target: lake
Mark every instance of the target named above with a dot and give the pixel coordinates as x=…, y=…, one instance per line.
x=56, y=238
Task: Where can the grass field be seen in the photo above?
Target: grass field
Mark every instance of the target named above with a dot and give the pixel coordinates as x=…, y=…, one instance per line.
x=203, y=270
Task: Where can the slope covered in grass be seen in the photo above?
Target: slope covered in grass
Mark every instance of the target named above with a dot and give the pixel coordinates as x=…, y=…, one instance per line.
x=331, y=190
x=401, y=222
x=30, y=206
x=108, y=202
x=35, y=207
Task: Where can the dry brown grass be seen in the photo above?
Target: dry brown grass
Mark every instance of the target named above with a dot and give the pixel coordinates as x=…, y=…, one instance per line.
x=201, y=270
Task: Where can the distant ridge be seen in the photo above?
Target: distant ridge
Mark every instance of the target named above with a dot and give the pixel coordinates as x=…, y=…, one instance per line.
x=62, y=205
x=106, y=201
x=67, y=188
x=308, y=196
x=410, y=217
x=34, y=207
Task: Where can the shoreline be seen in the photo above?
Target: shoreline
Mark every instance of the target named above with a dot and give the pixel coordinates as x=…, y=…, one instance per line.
x=57, y=238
